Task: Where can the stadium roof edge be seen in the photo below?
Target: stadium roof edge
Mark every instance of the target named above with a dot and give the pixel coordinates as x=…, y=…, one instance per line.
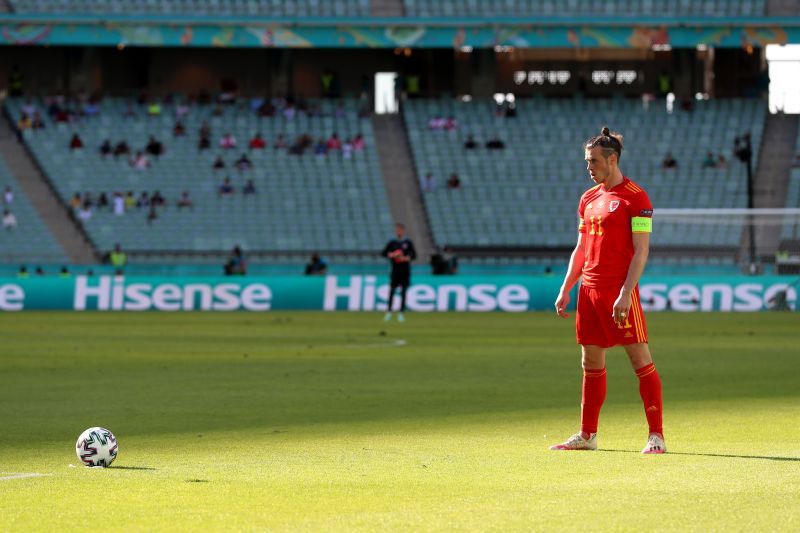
x=478, y=22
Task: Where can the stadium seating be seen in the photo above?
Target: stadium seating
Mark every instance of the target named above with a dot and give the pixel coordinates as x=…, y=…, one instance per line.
x=30, y=241
x=791, y=229
x=616, y=8
x=302, y=203
x=241, y=8
x=526, y=195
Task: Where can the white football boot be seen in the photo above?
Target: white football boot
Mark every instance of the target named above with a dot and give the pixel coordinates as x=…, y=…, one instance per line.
x=655, y=444
x=577, y=442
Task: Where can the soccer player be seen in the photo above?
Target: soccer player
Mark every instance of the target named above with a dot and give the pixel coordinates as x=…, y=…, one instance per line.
x=400, y=252
x=615, y=221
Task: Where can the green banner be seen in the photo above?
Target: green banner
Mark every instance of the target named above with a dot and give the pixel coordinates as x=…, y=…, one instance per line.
x=512, y=293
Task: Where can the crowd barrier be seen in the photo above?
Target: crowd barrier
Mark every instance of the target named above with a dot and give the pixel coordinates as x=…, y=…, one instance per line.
x=504, y=293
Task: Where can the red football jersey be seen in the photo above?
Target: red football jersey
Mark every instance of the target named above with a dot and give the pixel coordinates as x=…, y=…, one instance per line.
x=607, y=218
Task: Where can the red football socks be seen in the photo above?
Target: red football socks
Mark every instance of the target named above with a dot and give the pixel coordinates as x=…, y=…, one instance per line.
x=594, y=394
x=650, y=391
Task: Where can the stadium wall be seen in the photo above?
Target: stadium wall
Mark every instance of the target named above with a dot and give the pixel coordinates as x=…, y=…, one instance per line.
x=369, y=293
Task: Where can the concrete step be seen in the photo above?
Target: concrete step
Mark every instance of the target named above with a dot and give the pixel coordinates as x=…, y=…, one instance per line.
x=35, y=185
x=401, y=182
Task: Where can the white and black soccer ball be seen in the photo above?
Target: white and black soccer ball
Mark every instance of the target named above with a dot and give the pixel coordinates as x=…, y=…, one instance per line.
x=96, y=447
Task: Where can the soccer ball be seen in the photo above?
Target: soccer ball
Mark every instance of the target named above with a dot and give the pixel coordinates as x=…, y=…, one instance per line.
x=96, y=447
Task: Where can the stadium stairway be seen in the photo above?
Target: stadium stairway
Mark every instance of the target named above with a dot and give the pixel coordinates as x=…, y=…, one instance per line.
x=783, y=8
x=401, y=181
x=771, y=182
x=386, y=8
x=52, y=211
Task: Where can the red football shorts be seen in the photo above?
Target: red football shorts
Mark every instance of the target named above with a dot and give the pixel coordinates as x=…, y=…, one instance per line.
x=595, y=324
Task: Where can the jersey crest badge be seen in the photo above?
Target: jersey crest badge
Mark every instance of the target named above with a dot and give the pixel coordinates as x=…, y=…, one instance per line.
x=613, y=205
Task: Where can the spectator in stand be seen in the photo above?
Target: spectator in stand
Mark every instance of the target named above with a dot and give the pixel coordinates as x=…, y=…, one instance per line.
x=437, y=123
x=8, y=195
x=106, y=148
x=38, y=122
x=257, y=142
x=358, y=143
x=205, y=130
x=669, y=161
x=184, y=201
x=121, y=148
x=453, y=182
x=75, y=143
x=143, y=201
x=102, y=201
x=227, y=142
x=178, y=130
x=154, y=109
x=25, y=122
x=39, y=271
x=152, y=215
x=87, y=199
x=76, y=201
x=119, y=204
x=495, y=144
x=157, y=200
x=218, y=111
x=28, y=107
x=334, y=143
x=300, y=144
x=130, y=201
x=219, y=163
x=267, y=109
x=428, y=183
x=140, y=161
x=237, y=263
x=443, y=262
x=154, y=147
x=290, y=111
x=243, y=163
x=280, y=142
x=721, y=161
x=181, y=110
x=117, y=257
x=347, y=150
x=85, y=212
x=317, y=266
x=470, y=143
x=64, y=272
x=451, y=124
x=9, y=220
x=226, y=188
x=710, y=161
x=130, y=112
x=91, y=108
x=203, y=144
x=249, y=188
x=321, y=148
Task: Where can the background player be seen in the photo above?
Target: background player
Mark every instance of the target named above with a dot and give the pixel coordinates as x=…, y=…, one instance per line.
x=615, y=221
x=400, y=252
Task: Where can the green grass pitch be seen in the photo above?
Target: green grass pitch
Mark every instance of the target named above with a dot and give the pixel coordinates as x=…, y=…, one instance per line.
x=314, y=421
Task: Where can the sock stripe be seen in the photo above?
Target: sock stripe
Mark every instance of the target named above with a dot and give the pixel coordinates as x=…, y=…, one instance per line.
x=594, y=373
x=646, y=370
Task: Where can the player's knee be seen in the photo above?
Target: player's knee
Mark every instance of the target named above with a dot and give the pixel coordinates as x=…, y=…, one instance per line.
x=592, y=359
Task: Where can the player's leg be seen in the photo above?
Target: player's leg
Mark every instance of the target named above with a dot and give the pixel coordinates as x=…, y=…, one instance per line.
x=403, y=289
x=593, y=392
x=650, y=391
x=390, y=304
x=592, y=339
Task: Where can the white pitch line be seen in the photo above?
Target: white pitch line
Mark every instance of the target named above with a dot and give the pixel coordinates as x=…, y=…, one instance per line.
x=20, y=476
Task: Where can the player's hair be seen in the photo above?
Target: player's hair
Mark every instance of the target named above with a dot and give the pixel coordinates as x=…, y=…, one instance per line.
x=609, y=141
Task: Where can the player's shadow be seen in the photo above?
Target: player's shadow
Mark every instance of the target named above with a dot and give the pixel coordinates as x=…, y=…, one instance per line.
x=132, y=468
x=732, y=456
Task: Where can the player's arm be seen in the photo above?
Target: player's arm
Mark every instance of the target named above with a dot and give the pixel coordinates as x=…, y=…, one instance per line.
x=641, y=249
x=574, y=272
x=412, y=252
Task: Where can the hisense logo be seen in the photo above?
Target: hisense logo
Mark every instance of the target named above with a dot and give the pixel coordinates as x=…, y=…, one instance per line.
x=362, y=293
x=114, y=294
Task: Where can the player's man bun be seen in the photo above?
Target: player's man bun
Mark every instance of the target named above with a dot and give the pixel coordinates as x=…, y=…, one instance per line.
x=609, y=141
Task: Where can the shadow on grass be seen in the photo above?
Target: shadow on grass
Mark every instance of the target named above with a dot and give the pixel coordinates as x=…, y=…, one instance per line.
x=132, y=468
x=763, y=457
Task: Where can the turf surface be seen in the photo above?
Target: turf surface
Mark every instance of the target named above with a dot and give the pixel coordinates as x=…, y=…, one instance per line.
x=338, y=421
